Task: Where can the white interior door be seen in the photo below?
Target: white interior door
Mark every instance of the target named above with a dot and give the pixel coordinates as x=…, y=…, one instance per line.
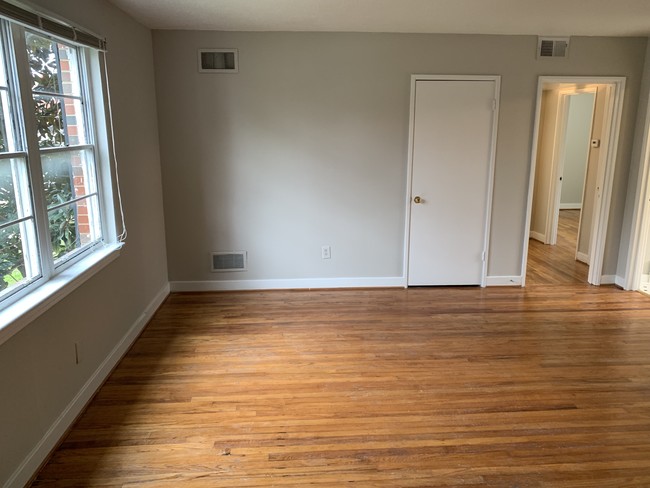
x=453, y=126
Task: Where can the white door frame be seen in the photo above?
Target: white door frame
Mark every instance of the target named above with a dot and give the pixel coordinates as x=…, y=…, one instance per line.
x=578, y=255
x=639, y=237
x=557, y=170
x=409, y=174
x=606, y=166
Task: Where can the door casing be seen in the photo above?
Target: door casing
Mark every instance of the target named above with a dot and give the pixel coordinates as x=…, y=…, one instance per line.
x=640, y=236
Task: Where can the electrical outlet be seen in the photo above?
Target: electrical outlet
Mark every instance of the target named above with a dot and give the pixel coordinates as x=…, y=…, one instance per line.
x=326, y=252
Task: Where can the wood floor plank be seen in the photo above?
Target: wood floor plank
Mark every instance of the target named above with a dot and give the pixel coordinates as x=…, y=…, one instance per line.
x=556, y=265
x=547, y=386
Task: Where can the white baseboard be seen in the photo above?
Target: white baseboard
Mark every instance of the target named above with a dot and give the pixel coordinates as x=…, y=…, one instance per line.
x=288, y=284
x=32, y=462
x=582, y=257
x=537, y=236
x=503, y=281
x=570, y=206
x=612, y=280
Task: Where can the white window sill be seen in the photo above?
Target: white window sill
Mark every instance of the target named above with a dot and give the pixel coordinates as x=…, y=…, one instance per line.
x=20, y=313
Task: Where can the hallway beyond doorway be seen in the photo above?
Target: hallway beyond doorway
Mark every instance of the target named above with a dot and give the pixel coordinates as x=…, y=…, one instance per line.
x=553, y=265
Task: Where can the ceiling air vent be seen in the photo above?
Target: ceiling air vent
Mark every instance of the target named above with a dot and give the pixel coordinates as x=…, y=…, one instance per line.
x=218, y=61
x=552, y=47
x=229, y=261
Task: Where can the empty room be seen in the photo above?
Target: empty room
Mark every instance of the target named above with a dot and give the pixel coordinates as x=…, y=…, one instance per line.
x=369, y=243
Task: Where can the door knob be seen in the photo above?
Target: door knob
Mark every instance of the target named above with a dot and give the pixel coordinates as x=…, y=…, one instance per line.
x=417, y=200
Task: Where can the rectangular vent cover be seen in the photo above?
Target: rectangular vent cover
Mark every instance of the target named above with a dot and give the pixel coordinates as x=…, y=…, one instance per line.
x=218, y=61
x=552, y=47
x=229, y=261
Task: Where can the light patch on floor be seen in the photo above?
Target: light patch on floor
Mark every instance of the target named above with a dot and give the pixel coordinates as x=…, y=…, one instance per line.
x=644, y=287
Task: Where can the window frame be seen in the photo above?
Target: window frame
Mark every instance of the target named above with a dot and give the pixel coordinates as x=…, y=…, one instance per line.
x=59, y=277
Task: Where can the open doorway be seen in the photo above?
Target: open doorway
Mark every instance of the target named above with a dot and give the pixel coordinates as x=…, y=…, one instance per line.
x=576, y=132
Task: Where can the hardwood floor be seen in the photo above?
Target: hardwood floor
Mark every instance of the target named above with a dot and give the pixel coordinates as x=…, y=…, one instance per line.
x=554, y=265
x=440, y=387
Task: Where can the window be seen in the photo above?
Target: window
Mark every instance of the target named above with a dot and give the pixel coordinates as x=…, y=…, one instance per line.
x=51, y=194
x=65, y=146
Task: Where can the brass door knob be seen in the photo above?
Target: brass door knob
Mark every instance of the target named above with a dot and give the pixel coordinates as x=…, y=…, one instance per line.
x=417, y=200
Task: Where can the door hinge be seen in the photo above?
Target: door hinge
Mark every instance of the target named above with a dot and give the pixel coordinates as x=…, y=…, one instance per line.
x=494, y=104
x=483, y=256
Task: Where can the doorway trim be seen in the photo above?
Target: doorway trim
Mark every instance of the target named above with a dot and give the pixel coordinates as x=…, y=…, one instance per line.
x=409, y=171
x=606, y=166
x=639, y=237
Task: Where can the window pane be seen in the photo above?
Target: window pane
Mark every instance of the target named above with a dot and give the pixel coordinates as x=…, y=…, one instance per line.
x=69, y=69
x=59, y=121
x=3, y=71
x=74, y=122
x=3, y=131
x=49, y=120
x=8, y=207
x=42, y=63
x=17, y=263
x=74, y=226
x=7, y=139
x=15, y=200
x=67, y=175
x=53, y=66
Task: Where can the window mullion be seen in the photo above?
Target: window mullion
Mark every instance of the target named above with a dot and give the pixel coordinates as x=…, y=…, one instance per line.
x=62, y=149
x=32, y=146
x=74, y=200
x=15, y=221
x=59, y=95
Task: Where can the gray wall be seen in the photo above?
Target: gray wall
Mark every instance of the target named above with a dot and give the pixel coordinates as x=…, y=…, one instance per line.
x=307, y=145
x=576, y=154
x=38, y=375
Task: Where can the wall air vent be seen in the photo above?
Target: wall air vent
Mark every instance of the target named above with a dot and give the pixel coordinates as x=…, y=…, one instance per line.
x=229, y=261
x=218, y=61
x=552, y=47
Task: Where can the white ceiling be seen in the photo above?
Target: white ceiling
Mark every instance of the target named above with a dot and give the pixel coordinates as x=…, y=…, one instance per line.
x=545, y=17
